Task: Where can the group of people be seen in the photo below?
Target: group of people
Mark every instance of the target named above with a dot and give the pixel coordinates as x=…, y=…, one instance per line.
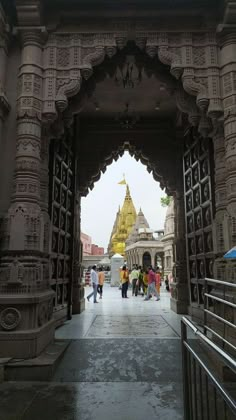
x=144, y=281
x=97, y=278
x=148, y=281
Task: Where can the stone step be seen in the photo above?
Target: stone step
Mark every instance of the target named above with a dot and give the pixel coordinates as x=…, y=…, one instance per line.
x=41, y=368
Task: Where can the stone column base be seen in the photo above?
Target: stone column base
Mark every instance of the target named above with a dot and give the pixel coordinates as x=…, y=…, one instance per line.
x=78, y=307
x=26, y=344
x=179, y=297
x=178, y=306
x=78, y=301
x=26, y=321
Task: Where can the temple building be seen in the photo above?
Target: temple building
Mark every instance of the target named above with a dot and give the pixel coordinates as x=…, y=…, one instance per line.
x=141, y=223
x=81, y=83
x=124, y=222
x=133, y=238
x=141, y=246
x=114, y=229
x=168, y=238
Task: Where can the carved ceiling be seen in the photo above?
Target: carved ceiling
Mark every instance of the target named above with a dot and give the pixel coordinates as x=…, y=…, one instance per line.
x=153, y=140
x=153, y=96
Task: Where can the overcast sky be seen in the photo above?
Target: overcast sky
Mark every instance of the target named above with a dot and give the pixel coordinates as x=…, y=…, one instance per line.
x=99, y=208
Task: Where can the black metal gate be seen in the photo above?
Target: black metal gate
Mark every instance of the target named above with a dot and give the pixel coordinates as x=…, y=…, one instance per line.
x=61, y=212
x=198, y=186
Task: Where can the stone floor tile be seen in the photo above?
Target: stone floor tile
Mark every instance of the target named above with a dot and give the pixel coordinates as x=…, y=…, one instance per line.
x=116, y=401
x=113, y=360
x=123, y=363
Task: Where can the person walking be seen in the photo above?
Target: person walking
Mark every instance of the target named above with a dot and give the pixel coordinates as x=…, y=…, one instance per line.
x=124, y=274
x=94, y=282
x=151, y=285
x=134, y=280
x=140, y=281
x=145, y=281
x=101, y=278
x=158, y=280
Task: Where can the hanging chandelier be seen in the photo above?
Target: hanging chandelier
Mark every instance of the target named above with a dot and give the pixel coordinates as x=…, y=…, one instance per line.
x=127, y=119
x=128, y=74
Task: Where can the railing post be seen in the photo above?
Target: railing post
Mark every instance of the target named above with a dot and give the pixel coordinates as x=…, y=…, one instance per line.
x=186, y=384
x=206, y=290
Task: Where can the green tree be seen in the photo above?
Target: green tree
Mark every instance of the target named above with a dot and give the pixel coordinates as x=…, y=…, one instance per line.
x=165, y=201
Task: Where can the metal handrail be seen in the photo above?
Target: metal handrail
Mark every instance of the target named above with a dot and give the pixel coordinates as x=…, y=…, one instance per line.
x=221, y=390
x=219, y=336
x=209, y=283
x=226, y=302
x=220, y=318
x=224, y=283
x=211, y=344
x=193, y=400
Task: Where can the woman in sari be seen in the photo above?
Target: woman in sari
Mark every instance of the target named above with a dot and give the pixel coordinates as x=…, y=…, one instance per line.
x=145, y=281
x=158, y=280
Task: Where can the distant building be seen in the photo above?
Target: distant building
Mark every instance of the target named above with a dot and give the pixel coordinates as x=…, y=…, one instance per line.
x=97, y=250
x=140, y=244
x=88, y=247
x=168, y=238
x=87, y=244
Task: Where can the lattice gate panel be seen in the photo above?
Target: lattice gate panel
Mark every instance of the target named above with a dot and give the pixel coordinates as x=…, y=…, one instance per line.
x=199, y=216
x=62, y=213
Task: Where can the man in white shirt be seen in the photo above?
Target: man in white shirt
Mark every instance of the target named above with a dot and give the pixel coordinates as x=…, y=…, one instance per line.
x=94, y=282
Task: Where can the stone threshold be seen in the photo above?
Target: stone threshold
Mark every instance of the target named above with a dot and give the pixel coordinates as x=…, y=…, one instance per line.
x=41, y=368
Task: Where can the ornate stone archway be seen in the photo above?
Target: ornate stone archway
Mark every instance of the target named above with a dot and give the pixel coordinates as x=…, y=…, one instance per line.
x=54, y=61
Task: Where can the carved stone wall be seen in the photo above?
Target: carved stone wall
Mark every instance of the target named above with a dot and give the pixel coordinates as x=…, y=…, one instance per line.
x=68, y=58
x=55, y=60
x=228, y=84
x=4, y=40
x=192, y=58
x=180, y=286
x=26, y=324
x=221, y=219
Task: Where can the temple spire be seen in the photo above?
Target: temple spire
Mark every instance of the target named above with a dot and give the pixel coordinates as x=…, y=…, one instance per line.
x=140, y=224
x=125, y=223
x=109, y=249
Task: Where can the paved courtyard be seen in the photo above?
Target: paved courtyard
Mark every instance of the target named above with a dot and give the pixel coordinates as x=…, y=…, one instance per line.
x=123, y=363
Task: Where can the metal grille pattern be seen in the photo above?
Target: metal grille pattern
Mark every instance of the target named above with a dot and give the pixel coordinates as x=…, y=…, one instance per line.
x=198, y=211
x=206, y=396
x=62, y=192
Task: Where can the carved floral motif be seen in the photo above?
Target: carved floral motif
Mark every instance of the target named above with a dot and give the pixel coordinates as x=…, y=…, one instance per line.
x=10, y=318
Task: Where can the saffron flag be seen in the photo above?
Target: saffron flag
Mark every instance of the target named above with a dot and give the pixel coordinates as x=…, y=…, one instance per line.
x=123, y=182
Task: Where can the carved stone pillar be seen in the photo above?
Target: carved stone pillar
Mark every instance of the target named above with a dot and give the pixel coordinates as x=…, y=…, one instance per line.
x=78, y=301
x=4, y=104
x=26, y=300
x=163, y=263
x=220, y=224
x=44, y=187
x=152, y=252
x=179, y=288
x=228, y=81
x=228, y=76
x=140, y=258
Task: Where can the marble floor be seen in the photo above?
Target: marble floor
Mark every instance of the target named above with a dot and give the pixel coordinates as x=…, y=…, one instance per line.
x=123, y=363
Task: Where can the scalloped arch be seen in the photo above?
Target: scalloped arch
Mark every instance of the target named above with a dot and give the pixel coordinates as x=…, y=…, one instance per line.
x=114, y=155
